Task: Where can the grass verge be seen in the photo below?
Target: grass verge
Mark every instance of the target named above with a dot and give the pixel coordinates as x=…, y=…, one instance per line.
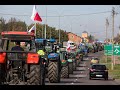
x=115, y=73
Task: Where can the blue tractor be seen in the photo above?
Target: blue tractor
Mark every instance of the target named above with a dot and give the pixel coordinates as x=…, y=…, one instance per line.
x=54, y=65
x=52, y=58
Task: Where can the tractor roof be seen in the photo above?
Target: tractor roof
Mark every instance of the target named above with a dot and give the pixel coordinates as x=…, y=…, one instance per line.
x=17, y=33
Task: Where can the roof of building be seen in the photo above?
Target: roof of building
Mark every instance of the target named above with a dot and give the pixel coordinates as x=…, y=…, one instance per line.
x=84, y=32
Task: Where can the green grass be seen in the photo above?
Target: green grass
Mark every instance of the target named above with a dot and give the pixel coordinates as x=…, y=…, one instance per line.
x=118, y=58
x=115, y=73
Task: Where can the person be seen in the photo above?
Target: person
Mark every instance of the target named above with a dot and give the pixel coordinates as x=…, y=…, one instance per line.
x=17, y=47
x=18, y=55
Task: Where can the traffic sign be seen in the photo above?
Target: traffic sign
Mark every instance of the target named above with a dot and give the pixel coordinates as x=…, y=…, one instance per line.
x=116, y=50
x=108, y=50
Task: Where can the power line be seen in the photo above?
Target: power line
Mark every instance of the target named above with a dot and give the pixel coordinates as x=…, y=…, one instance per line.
x=57, y=16
x=89, y=13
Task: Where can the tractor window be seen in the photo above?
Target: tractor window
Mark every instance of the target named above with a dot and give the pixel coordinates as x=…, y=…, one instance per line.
x=4, y=44
x=10, y=45
x=33, y=47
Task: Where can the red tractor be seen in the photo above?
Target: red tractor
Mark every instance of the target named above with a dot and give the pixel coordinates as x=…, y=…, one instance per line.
x=20, y=66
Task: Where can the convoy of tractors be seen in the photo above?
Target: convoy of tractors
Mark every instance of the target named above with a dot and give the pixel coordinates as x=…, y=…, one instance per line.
x=41, y=59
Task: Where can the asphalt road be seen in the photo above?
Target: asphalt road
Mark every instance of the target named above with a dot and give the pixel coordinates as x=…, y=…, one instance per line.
x=80, y=75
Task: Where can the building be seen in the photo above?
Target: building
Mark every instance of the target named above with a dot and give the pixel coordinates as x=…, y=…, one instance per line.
x=73, y=37
x=85, y=36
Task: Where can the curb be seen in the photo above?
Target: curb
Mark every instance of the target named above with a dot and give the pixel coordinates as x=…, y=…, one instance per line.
x=116, y=80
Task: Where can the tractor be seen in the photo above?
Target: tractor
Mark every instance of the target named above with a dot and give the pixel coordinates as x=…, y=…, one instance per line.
x=20, y=66
x=54, y=63
x=64, y=63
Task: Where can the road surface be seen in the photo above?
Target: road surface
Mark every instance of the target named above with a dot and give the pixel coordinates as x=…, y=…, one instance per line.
x=80, y=75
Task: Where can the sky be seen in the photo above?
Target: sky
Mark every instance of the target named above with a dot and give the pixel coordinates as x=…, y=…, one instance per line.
x=81, y=19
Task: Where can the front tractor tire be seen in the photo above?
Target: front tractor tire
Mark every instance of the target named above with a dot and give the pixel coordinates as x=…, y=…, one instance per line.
x=53, y=72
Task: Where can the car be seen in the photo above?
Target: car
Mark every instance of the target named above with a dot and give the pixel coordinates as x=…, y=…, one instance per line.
x=98, y=71
x=94, y=60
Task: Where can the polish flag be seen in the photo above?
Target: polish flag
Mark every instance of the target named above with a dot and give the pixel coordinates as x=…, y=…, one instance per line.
x=68, y=48
x=32, y=29
x=35, y=16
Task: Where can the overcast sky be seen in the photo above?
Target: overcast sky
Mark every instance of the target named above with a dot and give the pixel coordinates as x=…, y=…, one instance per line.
x=85, y=21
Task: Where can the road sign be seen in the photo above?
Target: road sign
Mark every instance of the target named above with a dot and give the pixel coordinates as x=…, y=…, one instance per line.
x=108, y=50
x=116, y=50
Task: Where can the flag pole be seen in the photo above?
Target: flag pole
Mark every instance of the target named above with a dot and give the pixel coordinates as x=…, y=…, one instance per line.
x=27, y=28
x=35, y=29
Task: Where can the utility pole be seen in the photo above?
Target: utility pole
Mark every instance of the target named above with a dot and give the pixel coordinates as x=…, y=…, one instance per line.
x=46, y=22
x=71, y=27
x=42, y=31
x=59, y=29
x=107, y=24
x=50, y=31
x=113, y=61
x=119, y=30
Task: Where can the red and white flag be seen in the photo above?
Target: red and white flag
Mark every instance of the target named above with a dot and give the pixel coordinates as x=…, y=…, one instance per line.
x=68, y=48
x=32, y=29
x=35, y=16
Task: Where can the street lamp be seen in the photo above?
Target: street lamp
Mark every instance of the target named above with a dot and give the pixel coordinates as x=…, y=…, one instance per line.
x=46, y=22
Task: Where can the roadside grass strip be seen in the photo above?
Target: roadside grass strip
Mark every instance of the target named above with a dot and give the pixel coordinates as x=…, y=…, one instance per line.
x=115, y=73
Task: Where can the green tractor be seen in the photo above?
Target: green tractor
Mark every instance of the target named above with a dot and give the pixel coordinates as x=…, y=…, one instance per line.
x=78, y=57
x=64, y=63
x=71, y=62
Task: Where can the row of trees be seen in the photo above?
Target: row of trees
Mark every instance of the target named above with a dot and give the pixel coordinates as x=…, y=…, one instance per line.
x=16, y=25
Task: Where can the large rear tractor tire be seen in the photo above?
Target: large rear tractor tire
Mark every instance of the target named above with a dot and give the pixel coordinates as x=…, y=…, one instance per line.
x=2, y=74
x=70, y=67
x=74, y=65
x=35, y=76
x=78, y=62
x=65, y=72
x=53, y=72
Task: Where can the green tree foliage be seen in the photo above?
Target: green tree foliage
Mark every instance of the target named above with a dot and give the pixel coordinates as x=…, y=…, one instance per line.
x=91, y=38
x=16, y=25
x=117, y=39
x=2, y=25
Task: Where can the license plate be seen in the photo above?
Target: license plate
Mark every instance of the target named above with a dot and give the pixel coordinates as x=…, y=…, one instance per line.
x=98, y=75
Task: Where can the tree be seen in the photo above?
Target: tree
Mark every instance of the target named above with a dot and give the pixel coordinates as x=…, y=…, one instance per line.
x=2, y=25
x=15, y=25
x=91, y=38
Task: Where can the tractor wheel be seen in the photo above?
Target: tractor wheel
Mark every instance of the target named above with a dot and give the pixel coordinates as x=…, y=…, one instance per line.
x=78, y=62
x=70, y=67
x=65, y=72
x=2, y=74
x=53, y=72
x=35, y=75
x=74, y=65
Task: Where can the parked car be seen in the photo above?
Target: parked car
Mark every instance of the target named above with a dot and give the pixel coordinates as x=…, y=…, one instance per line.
x=98, y=71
